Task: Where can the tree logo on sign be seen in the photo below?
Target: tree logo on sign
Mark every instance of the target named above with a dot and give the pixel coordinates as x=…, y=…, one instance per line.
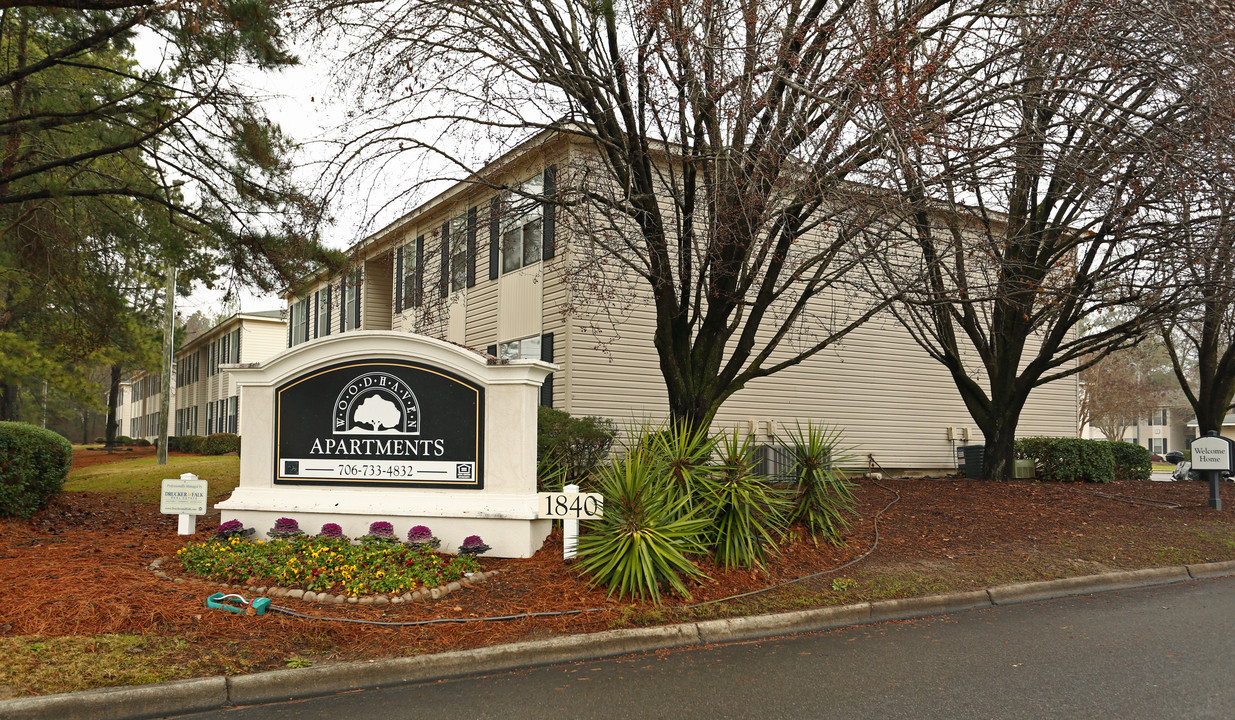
x=376, y=403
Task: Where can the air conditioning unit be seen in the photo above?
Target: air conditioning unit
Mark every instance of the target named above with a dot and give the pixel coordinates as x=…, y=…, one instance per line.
x=1024, y=470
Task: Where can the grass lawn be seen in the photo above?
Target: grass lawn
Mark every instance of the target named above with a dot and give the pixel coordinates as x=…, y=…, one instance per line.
x=140, y=479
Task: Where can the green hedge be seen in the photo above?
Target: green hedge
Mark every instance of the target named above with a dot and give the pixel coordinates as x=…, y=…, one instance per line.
x=33, y=465
x=1069, y=459
x=220, y=444
x=1132, y=462
x=570, y=449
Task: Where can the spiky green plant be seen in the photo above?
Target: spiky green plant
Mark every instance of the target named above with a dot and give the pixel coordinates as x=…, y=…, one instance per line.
x=686, y=455
x=646, y=533
x=749, y=516
x=824, y=500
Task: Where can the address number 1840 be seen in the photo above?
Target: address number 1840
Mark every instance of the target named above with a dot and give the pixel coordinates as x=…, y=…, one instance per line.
x=583, y=506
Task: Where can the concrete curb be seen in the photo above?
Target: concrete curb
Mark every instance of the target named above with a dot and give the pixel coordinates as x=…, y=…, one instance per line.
x=203, y=694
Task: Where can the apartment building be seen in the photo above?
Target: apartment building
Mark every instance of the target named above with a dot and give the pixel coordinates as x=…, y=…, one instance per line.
x=491, y=271
x=204, y=396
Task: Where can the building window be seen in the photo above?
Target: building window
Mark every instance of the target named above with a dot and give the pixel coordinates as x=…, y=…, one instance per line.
x=1157, y=446
x=1157, y=417
x=409, y=285
x=523, y=226
x=350, y=307
x=525, y=349
x=321, y=304
x=458, y=253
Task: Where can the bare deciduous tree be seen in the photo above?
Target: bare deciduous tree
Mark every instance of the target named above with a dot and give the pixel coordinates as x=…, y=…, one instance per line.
x=1043, y=197
x=733, y=147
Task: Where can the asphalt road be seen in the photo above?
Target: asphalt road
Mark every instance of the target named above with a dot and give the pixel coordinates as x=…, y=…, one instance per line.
x=1157, y=652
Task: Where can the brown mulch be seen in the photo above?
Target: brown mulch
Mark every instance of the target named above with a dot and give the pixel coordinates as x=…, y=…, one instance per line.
x=79, y=567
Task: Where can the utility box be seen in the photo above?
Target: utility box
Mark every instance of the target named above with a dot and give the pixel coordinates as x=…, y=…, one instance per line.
x=1024, y=470
x=975, y=465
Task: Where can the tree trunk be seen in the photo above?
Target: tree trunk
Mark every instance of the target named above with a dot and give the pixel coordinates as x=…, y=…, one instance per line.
x=113, y=400
x=999, y=453
x=10, y=407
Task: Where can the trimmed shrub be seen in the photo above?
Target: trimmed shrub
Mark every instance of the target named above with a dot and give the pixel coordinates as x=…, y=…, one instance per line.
x=141, y=442
x=33, y=465
x=220, y=444
x=124, y=440
x=191, y=443
x=1069, y=459
x=1132, y=462
x=569, y=449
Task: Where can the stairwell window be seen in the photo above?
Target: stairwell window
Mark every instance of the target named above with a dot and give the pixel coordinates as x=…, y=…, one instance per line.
x=523, y=226
x=525, y=349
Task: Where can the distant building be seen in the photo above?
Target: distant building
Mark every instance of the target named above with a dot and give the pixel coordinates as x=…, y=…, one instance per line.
x=204, y=397
x=1164, y=430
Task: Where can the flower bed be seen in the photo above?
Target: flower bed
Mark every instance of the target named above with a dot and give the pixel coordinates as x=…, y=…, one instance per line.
x=323, y=563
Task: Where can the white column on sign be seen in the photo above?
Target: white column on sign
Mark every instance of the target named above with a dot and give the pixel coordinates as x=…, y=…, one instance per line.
x=570, y=529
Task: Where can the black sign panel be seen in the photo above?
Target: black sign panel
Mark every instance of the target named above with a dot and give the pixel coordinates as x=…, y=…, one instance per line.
x=380, y=423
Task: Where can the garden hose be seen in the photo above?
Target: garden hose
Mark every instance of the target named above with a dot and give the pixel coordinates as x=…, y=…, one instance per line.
x=561, y=613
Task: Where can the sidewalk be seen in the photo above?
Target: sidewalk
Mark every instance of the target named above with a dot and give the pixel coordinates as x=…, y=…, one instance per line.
x=187, y=696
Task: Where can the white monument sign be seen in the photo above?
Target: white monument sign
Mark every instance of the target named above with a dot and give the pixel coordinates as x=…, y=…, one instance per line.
x=376, y=425
x=185, y=497
x=1211, y=453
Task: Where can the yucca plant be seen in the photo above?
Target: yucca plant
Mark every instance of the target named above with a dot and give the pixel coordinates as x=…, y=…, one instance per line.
x=646, y=533
x=825, y=498
x=685, y=454
x=749, y=516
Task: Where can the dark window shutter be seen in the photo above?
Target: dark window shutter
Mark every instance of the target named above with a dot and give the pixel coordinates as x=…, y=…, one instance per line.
x=492, y=350
x=444, y=283
x=471, y=247
x=546, y=354
x=418, y=291
x=356, y=305
x=291, y=306
x=317, y=312
x=550, y=208
x=329, y=293
x=343, y=303
x=399, y=280
x=495, y=209
x=237, y=345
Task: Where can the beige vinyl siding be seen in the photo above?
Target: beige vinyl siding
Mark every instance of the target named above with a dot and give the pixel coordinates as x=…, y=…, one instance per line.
x=261, y=341
x=887, y=396
x=377, y=297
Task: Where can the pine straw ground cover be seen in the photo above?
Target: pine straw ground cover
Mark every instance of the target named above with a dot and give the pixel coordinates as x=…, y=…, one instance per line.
x=80, y=609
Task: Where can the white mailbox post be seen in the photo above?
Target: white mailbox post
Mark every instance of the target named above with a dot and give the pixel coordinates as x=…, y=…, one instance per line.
x=1213, y=455
x=185, y=497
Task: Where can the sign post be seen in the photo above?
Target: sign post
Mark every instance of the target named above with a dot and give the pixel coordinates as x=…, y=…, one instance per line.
x=185, y=497
x=570, y=506
x=1213, y=455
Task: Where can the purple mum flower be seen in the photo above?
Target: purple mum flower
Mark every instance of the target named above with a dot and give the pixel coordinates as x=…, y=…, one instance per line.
x=331, y=530
x=286, y=525
x=382, y=529
x=230, y=526
x=473, y=545
x=419, y=533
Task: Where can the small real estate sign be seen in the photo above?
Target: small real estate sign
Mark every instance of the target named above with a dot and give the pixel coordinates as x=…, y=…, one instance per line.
x=183, y=496
x=382, y=422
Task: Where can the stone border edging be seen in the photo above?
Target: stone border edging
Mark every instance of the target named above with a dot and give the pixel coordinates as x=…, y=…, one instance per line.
x=204, y=694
